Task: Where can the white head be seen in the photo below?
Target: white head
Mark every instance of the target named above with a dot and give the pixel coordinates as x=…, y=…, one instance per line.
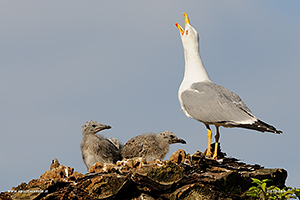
x=189, y=35
x=194, y=68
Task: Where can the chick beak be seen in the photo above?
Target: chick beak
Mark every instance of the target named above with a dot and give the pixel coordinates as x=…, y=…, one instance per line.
x=102, y=127
x=177, y=140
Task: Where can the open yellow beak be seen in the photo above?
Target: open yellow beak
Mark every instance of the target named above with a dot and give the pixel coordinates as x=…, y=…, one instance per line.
x=186, y=20
x=179, y=28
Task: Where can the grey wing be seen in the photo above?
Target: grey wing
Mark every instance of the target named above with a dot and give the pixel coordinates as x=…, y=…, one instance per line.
x=234, y=98
x=113, y=153
x=214, y=104
x=133, y=147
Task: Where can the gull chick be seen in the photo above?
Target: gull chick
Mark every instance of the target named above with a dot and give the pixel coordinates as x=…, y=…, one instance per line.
x=150, y=146
x=95, y=148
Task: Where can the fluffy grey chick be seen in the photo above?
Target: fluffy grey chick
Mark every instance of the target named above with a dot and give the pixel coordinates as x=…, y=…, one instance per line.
x=95, y=148
x=150, y=146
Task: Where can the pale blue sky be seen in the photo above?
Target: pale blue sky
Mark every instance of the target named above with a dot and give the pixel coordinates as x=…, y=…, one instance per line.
x=63, y=63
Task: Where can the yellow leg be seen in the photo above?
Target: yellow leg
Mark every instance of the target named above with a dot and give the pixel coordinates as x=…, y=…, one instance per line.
x=209, y=135
x=217, y=137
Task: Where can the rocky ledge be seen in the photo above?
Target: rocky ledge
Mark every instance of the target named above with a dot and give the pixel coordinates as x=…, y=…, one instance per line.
x=183, y=176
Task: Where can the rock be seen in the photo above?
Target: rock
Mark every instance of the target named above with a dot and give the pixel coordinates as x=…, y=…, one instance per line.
x=103, y=186
x=199, y=191
x=54, y=164
x=58, y=172
x=144, y=197
x=278, y=176
x=166, y=173
x=102, y=167
x=137, y=162
x=184, y=176
x=5, y=196
x=178, y=156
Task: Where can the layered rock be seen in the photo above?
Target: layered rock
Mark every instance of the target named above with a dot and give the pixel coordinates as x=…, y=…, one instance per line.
x=184, y=176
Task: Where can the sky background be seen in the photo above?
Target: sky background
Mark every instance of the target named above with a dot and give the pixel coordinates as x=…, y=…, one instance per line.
x=63, y=63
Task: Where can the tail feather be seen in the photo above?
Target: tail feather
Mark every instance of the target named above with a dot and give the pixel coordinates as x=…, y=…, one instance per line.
x=260, y=126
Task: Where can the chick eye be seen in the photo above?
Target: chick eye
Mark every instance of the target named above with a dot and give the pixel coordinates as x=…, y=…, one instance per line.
x=187, y=32
x=94, y=125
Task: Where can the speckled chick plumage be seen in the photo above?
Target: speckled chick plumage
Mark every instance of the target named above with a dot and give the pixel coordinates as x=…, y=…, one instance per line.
x=150, y=146
x=95, y=148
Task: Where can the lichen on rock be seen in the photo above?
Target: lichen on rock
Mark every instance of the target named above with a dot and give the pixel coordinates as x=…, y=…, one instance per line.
x=167, y=173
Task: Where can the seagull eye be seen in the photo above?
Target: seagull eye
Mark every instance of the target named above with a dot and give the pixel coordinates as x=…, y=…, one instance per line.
x=187, y=32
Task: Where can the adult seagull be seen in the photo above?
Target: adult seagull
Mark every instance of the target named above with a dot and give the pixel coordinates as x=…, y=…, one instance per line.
x=207, y=102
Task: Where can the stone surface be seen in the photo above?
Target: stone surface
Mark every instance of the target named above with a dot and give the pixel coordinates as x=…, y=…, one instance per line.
x=184, y=176
x=178, y=156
